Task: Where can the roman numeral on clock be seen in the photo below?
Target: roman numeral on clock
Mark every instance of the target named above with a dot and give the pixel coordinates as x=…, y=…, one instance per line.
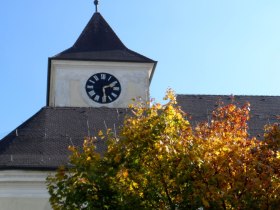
x=103, y=76
x=96, y=78
x=96, y=98
x=91, y=93
x=90, y=86
x=114, y=95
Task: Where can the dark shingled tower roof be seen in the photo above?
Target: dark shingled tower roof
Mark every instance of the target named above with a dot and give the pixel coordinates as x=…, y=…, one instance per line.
x=98, y=42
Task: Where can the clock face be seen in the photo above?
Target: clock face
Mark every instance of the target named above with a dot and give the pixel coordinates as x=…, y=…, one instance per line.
x=103, y=88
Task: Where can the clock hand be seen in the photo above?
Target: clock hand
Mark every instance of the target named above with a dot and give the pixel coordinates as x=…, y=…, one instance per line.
x=104, y=94
x=103, y=90
x=110, y=85
x=106, y=86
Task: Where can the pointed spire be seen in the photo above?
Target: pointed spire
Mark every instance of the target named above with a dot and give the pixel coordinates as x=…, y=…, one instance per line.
x=96, y=5
x=99, y=42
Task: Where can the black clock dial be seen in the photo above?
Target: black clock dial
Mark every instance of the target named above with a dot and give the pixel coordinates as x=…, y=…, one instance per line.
x=103, y=88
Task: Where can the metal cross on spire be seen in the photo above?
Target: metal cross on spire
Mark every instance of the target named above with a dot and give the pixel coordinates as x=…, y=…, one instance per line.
x=96, y=5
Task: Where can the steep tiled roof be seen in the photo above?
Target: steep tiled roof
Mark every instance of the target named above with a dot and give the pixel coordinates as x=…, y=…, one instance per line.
x=264, y=109
x=98, y=42
x=42, y=141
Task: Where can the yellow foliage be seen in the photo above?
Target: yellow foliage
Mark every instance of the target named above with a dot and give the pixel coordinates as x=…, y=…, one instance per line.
x=159, y=161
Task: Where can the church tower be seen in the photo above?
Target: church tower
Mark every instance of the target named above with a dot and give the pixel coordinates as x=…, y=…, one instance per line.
x=89, y=87
x=98, y=70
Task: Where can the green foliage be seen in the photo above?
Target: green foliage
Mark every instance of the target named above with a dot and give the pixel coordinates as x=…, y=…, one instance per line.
x=158, y=161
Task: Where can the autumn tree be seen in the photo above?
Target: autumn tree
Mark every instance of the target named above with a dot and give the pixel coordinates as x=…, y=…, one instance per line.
x=237, y=171
x=159, y=161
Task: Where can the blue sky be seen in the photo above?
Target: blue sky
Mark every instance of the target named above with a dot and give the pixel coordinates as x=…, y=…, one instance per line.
x=202, y=46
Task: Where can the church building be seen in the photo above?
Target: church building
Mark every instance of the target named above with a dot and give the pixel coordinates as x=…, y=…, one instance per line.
x=89, y=88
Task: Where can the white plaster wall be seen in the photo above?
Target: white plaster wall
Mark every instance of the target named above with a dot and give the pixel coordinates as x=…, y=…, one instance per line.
x=23, y=190
x=68, y=79
x=24, y=204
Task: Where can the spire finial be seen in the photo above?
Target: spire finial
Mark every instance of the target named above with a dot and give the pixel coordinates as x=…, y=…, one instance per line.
x=96, y=5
